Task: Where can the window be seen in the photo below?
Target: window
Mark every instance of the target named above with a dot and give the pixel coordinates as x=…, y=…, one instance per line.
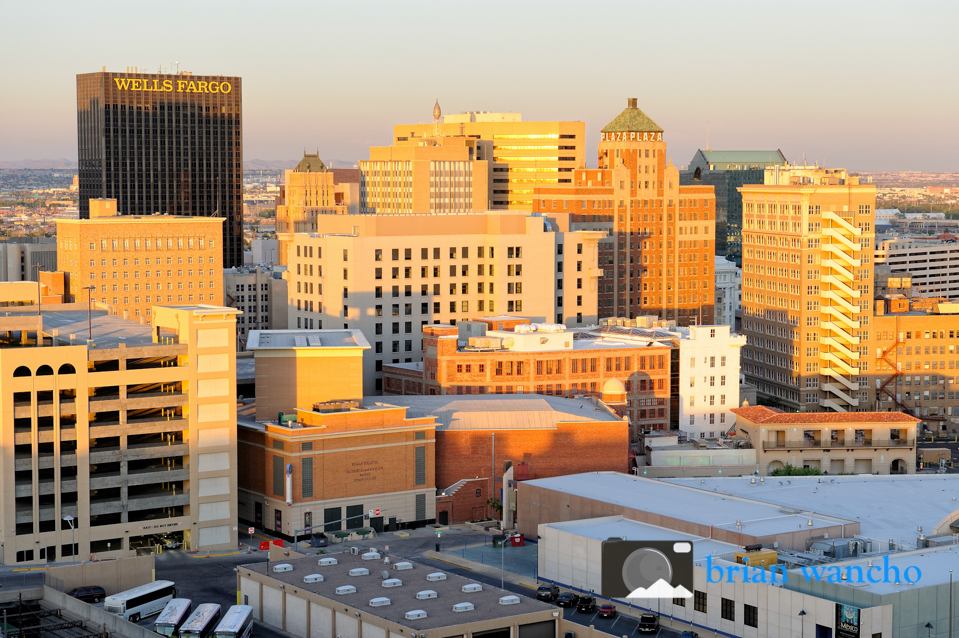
x=750, y=616
x=679, y=602
x=699, y=601
x=728, y=609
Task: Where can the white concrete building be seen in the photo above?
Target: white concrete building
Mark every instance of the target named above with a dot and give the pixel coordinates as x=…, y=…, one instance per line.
x=708, y=380
x=931, y=262
x=18, y=261
x=729, y=287
x=260, y=293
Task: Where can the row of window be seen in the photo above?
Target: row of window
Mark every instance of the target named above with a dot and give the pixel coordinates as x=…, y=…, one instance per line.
x=727, y=608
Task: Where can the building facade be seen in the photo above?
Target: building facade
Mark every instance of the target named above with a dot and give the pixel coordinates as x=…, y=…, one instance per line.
x=112, y=443
x=726, y=171
x=432, y=175
x=708, y=380
x=520, y=155
x=19, y=261
x=729, y=288
x=308, y=190
x=387, y=275
x=930, y=263
x=136, y=262
x=159, y=143
x=807, y=287
x=260, y=293
x=853, y=443
x=659, y=254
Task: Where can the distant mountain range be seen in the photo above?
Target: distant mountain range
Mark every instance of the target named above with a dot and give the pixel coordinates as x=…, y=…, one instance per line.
x=274, y=165
x=250, y=165
x=51, y=164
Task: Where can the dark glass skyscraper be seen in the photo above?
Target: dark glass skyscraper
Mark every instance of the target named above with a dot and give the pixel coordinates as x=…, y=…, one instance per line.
x=169, y=144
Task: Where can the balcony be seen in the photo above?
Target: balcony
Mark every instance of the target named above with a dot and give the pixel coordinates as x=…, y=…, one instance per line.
x=838, y=445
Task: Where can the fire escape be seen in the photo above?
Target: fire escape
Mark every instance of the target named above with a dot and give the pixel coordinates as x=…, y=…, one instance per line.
x=839, y=352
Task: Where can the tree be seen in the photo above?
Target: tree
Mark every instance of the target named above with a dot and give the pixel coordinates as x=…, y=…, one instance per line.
x=791, y=470
x=495, y=505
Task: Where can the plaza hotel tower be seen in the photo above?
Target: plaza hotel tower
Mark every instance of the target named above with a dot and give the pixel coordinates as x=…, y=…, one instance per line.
x=657, y=258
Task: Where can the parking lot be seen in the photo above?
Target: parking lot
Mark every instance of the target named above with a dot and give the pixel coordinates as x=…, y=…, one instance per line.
x=625, y=623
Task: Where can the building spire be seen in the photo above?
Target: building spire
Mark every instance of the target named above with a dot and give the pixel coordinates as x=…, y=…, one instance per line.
x=437, y=113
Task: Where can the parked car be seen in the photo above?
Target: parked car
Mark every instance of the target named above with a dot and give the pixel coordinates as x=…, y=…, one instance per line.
x=690, y=634
x=319, y=539
x=88, y=594
x=648, y=623
x=547, y=593
x=607, y=611
x=586, y=604
x=567, y=599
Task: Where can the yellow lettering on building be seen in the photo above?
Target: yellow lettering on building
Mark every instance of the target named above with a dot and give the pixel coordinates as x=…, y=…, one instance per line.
x=225, y=87
x=179, y=85
x=202, y=87
x=191, y=87
x=182, y=86
x=168, y=85
x=122, y=83
x=214, y=87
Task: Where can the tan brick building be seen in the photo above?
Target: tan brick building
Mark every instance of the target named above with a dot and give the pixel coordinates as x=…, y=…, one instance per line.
x=519, y=155
x=130, y=434
x=808, y=238
x=135, y=262
x=387, y=275
x=308, y=190
x=658, y=258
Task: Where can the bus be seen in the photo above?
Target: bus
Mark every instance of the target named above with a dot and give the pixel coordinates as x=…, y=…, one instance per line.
x=237, y=623
x=202, y=622
x=169, y=621
x=141, y=601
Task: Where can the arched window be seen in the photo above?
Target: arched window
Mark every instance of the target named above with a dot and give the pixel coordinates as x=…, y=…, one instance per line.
x=67, y=368
x=22, y=371
x=44, y=371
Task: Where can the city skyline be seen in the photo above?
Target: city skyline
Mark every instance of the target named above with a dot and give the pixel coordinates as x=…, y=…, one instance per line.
x=339, y=79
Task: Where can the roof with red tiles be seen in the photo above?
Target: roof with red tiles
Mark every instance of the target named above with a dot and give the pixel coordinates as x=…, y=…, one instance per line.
x=765, y=415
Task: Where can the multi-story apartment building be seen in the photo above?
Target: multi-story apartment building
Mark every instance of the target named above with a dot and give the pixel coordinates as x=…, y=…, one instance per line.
x=432, y=175
x=807, y=287
x=135, y=262
x=19, y=259
x=160, y=143
x=308, y=190
x=388, y=275
x=860, y=443
x=658, y=258
x=543, y=359
x=123, y=432
x=915, y=352
x=729, y=288
x=931, y=263
x=260, y=294
x=708, y=380
x=726, y=171
x=520, y=155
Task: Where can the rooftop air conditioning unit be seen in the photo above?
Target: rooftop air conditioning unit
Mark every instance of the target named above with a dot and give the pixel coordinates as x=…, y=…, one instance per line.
x=416, y=614
x=283, y=567
x=426, y=594
x=435, y=576
x=360, y=571
x=346, y=589
x=326, y=562
x=371, y=556
x=472, y=588
x=403, y=565
x=461, y=607
x=379, y=602
x=392, y=582
x=313, y=578
x=509, y=600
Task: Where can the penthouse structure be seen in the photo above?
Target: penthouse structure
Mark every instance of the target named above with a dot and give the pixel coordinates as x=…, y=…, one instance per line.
x=116, y=431
x=519, y=155
x=164, y=143
x=807, y=287
x=133, y=262
x=388, y=275
x=658, y=256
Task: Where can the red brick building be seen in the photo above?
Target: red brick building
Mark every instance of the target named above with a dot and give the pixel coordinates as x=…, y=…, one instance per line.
x=541, y=436
x=658, y=259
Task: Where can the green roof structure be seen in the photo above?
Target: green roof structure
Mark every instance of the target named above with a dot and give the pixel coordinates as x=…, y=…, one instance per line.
x=310, y=164
x=632, y=119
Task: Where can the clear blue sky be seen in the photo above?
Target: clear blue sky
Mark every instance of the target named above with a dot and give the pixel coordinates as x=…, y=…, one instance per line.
x=864, y=85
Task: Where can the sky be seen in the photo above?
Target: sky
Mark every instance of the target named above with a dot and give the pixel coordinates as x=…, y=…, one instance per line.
x=869, y=86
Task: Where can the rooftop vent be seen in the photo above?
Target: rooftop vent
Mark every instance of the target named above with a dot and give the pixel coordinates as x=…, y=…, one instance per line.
x=283, y=567
x=313, y=578
x=416, y=614
x=461, y=607
x=403, y=565
x=435, y=576
x=379, y=602
x=359, y=571
x=471, y=588
x=346, y=589
x=371, y=556
x=392, y=582
x=326, y=562
x=426, y=594
x=509, y=600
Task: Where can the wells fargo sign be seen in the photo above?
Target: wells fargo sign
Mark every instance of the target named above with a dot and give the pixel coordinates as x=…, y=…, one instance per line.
x=631, y=136
x=171, y=86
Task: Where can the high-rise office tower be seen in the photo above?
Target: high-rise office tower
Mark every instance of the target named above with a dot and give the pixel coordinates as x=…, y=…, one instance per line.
x=807, y=287
x=520, y=155
x=170, y=144
x=658, y=258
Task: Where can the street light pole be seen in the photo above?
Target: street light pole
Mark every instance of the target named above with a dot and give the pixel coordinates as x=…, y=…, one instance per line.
x=802, y=619
x=37, y=266
x=89, y=290
x=73, y=539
